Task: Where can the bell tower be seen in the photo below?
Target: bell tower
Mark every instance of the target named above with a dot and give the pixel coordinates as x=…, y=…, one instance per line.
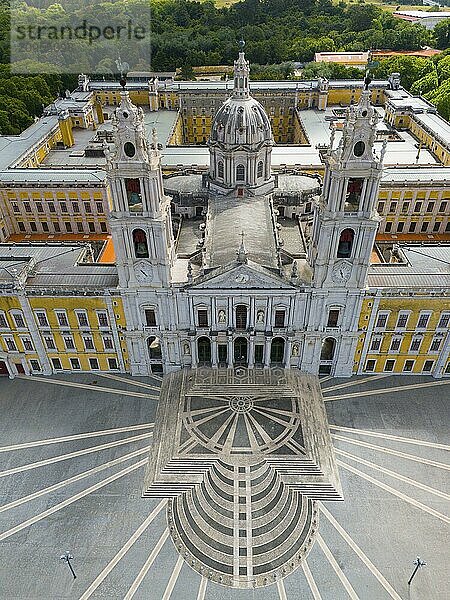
x=345, y=220
x=140, y=221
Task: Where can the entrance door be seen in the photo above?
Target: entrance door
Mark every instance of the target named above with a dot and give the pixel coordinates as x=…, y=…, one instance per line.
x=20, y=369
x=223, y=354
x=204, y=350
x=240, y=351
x=277, y=351
x=259, y=352
x=3, y=368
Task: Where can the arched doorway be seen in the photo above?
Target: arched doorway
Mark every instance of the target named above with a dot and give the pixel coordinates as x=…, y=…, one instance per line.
x=204, y=350
x=155, y=354
x=240, y=351
x=277, y=351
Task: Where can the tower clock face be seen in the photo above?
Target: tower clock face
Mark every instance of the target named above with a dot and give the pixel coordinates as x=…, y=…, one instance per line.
x=341, y=272
x=143, y=272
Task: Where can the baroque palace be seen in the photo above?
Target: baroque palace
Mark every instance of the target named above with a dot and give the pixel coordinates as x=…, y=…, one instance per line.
x=155, y=225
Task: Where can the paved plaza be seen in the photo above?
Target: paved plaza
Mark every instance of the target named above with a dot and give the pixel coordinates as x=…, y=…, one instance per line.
x=73, y=455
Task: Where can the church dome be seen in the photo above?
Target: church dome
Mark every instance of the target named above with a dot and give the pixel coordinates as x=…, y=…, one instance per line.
x=241, y=121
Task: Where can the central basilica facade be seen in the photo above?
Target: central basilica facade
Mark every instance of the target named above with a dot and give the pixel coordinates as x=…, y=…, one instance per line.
x=242, y=285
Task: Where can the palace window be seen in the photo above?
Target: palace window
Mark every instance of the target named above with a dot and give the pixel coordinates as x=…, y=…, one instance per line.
x=3, y=321
x=93, y=364
x=240, y=173
x=389, y=365
x=280, y=317
x=443, y=207
x=380, y=208
x=150, y=317
x=202, y=317
x=395, y=344
x=63, y=206
x=112, y=364
x=41, y=318
x=375, y=344
x=430, y=207
x=62, y=318
x=68, y=342
x=260, y=169
x=428, y=366
x=49, y=342
x=393, y=207
x=415, y=344
x=328, y=348
x=370, y=365
x=333, y=317
x=75, y=364
x=88, y=342
x=19, y=320
x=220, y=169
x=382, y=318
x=75, y=207
x=241, y=316
x=82, y=317
x=444, y=321
x=87, y=207
x=35, y=366
x=423, y=320
x=56, y=364
x=102, y=317
x=27, y=344
x=408, y=366
x=108, y=342
x=345, y=243
x=402, y=320
x=10, y=344
x=435, y=344
x=140, y=244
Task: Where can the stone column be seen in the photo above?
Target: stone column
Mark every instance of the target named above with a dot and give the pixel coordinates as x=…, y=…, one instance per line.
x=194, y=353
x=267, y=343
x=251, y=352
x=214, y=352
x=230, y=351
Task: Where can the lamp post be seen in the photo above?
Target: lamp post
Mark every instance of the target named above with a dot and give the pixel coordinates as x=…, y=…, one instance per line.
x=418, y=563
x=67, y=557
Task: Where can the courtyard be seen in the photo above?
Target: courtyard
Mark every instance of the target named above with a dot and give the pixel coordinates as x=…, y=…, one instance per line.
x=73, y=453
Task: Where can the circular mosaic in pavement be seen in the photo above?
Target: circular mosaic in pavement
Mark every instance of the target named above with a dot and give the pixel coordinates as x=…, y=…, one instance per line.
x=232, y=425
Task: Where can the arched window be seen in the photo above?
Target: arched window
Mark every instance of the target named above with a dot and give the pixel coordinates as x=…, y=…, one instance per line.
x=154, y=348
x=220, y=169
x=140, y=243
x=240, y=173
x=345, y=243
x=204, y=350
x=241, y=316
x=328, y=347
x=277, y=350
x=260, y=169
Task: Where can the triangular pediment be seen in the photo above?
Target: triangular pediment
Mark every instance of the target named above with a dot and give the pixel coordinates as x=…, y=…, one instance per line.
x=242, y=276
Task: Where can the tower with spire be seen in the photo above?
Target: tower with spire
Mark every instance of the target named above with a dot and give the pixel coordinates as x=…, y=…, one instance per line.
x=241, y=141
x=346, y=221
x=140, y=215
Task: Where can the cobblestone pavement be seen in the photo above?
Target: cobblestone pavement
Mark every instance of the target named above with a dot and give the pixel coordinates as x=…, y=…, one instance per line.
x=73, y=452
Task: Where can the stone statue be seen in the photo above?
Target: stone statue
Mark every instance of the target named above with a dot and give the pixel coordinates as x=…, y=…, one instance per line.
x=260, y=316
x=186, y=348
x=222, y=318
x=295, y=350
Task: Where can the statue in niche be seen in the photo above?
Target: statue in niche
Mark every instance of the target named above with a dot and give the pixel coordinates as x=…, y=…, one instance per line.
x=260, y=316
x=222, y=317
x=186, y=348
x=295, y=350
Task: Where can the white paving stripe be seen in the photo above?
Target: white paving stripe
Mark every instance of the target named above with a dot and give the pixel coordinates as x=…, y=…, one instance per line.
x=148, y=563
x=113, y=562
x=310, y=579
x=173, y=579
x=281, y=590
x=77, y=436
x=326, y=378
x=71, y=500
x=86, y=386
x=202, y=589
x=337, y=569
x=424, y=461
x=130, y=381
x=357, y=382
x=395, y=492
x=400, y=388
x=61, y=457
x=74, y=479
x=393, y=474
x=353, y=545
x=387, y=436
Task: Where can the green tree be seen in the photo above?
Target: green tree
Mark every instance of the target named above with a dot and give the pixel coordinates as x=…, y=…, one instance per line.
x=441, y=33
